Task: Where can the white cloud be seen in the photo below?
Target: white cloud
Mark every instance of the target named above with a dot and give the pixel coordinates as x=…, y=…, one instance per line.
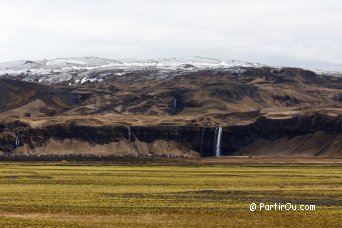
x=305, y=33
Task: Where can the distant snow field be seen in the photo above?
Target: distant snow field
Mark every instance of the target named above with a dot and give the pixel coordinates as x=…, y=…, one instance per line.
x=93, y=69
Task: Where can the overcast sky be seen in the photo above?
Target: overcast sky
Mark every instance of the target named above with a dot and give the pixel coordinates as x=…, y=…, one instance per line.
x=306, y=33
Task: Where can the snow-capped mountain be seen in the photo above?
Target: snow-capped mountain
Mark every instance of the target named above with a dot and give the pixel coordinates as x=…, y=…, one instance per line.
x=82, y=69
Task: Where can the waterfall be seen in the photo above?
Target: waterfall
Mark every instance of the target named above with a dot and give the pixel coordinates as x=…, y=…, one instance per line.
x=17, y=142
x=175, y=103
x=203, y=130
x=129, y=134
x=217, y=141
x=218, y=145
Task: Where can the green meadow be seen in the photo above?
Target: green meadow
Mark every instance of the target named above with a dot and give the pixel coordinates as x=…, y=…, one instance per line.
x=109, y=194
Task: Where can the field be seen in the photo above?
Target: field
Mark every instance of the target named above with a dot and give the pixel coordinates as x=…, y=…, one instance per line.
x=174, y=194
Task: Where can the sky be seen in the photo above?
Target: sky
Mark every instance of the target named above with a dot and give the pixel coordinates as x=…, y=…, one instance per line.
x=299, y=33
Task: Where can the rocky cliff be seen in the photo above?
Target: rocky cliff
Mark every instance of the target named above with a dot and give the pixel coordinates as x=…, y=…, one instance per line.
x=313, y=135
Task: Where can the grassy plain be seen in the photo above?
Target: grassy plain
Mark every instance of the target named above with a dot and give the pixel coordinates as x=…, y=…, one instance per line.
x=189, y=194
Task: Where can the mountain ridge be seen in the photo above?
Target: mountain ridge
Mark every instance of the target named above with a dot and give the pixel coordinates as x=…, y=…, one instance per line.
x=74, y=70
x=170, y=107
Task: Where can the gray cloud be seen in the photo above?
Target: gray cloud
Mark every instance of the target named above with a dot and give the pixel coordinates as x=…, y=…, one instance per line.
x=306, y=33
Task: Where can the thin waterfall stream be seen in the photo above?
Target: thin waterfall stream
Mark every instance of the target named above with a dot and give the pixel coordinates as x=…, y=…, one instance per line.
x=17, y=142
x=129, y=134
x=175, y=103
x=217, y=141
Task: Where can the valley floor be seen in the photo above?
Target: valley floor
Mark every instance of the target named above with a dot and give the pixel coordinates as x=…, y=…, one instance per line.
x=170, y=193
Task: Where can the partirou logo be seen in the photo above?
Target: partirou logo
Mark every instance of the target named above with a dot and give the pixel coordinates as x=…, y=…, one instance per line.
x=281, y=207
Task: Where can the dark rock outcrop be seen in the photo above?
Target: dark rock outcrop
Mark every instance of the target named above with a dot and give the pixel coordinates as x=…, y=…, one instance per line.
x=186, y=138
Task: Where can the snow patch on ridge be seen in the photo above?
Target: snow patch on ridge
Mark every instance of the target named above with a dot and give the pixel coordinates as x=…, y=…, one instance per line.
x=82, y=69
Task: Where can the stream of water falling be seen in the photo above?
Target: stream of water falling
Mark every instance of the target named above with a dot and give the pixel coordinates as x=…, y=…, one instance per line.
x=175, y=104
x=17, y=142
x=218, y=137
x=129, y=134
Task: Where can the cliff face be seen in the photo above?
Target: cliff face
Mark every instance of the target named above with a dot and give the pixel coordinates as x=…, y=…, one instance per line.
x=313, y=135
